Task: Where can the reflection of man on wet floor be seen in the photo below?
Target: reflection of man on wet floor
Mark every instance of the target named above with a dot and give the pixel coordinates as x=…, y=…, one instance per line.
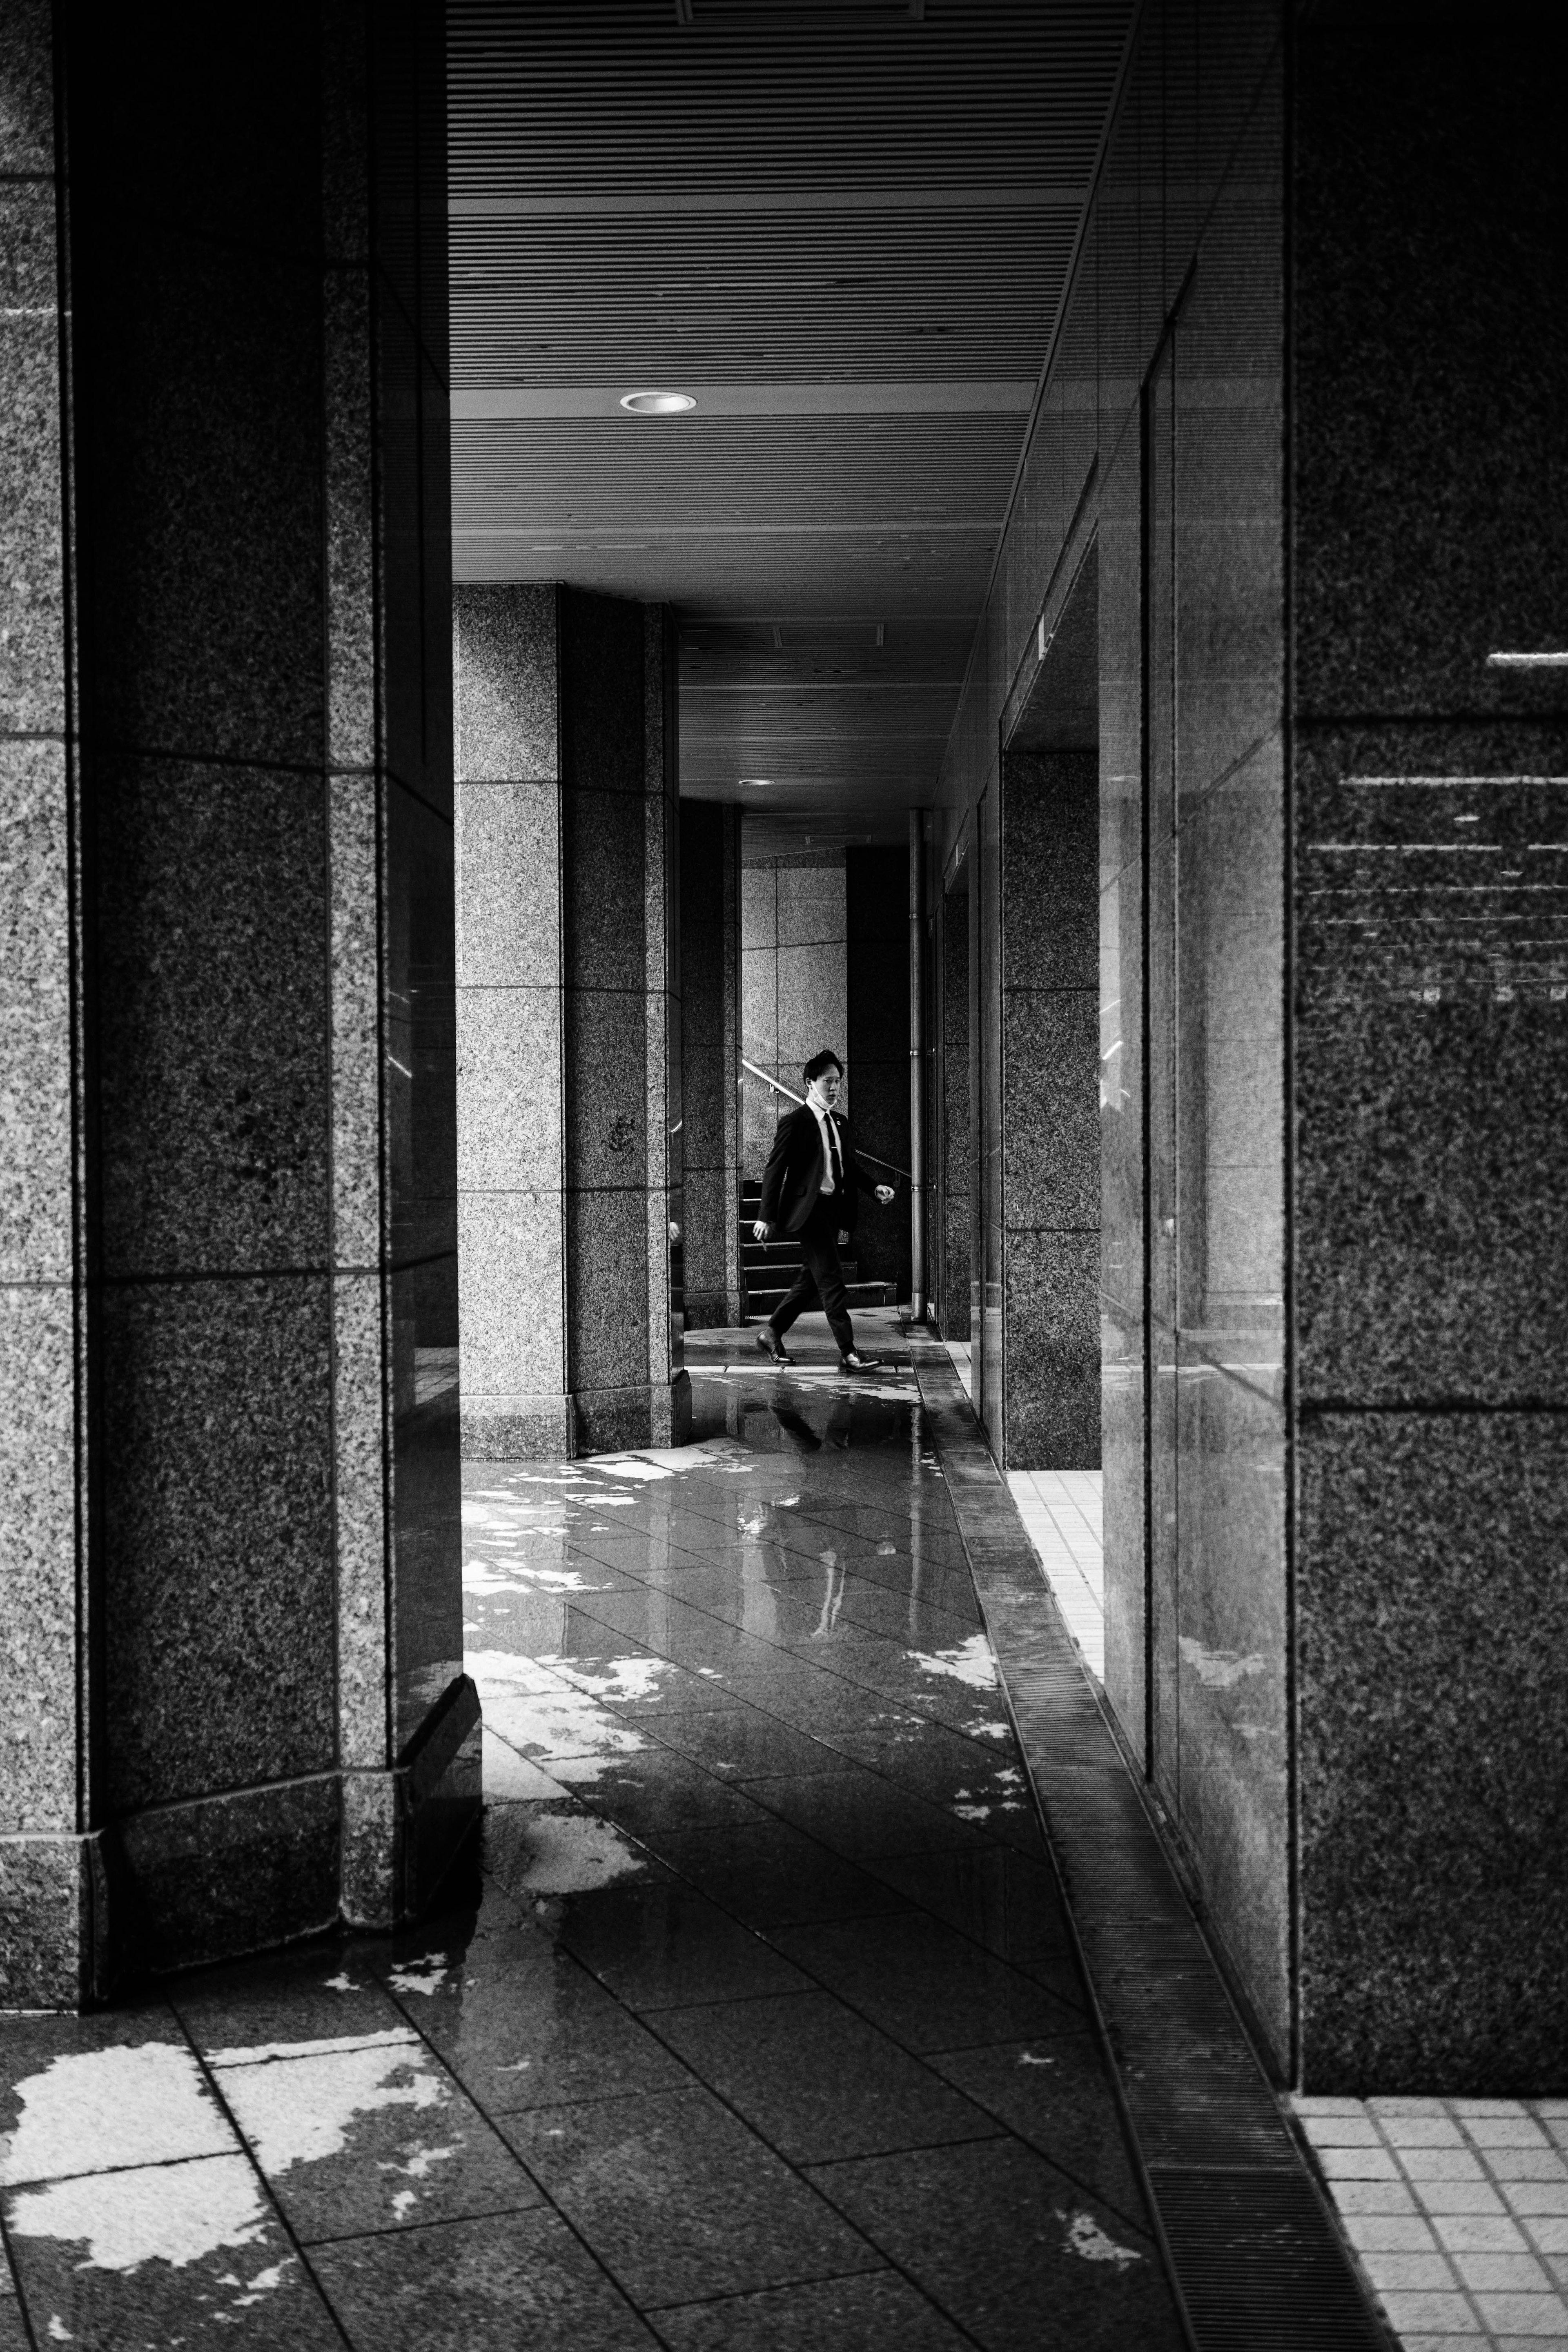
x=811, y=1189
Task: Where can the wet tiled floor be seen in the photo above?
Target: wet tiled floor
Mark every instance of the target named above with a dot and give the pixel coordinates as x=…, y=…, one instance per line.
x=756, y=2023
x=1458, y=2212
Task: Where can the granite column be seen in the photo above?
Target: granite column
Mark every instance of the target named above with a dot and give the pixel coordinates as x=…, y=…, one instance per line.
x=1050, y=1134
x=231, y=1684
x=569, y=1023
x=713, y=1269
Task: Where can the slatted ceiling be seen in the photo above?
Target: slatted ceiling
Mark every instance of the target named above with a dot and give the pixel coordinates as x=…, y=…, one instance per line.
x=873, y=296
x=646, y=473
x=774, y=196
x=616, y=96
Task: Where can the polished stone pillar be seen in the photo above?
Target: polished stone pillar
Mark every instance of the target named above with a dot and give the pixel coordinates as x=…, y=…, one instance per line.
x=231, y=1692
x=954, y=1302
x=1050, y=1134
x=793, y=988
x=568, y=1023
x=876, y=1047
x=713, y=1269
x=1429, y=1053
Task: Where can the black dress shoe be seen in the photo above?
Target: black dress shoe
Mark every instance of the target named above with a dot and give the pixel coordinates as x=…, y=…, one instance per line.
x=770, y=1343
x=855, y=1363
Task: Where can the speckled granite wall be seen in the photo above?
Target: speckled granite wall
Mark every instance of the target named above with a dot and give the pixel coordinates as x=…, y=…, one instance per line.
x=713, y=1273
x=1431, y=1053
x=1334, y=1377
x=568, y=1023
x=231, y=1254
x=792, y=988
x=952, y=1191
x=1157, y=460
x=876, y=1030
x=1050, y=1136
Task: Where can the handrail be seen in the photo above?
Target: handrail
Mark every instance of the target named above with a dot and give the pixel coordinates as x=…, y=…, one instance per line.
x=780, y=1089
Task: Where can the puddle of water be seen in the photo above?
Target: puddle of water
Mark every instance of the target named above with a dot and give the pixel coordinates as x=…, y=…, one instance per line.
x=93, y=2110
x=296, y=2106
x=419, y=1976
x=480, y=1575
x=570, y=1853
x=1088, y=2240
x=967, y=1662
x=614, y=1678
x=509, y=1779
x=172, y=2214
x=568, y=1724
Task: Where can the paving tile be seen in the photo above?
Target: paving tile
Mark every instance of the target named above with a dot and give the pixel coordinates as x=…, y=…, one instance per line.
x=1382, y=2196
x=1541, y=2162
x=323, y=1991
x=860, y=1814
x=489, y=2285
x=656, y=1789
x=86, y=2095
x=14, y=2336
x=1395, y=2233
x=1056, y=2095
x=1531, y=2197
x=523, y=2023
x=1523, y=2315
x=539, y=1856
x=661, y=1945
x=929, y=1987
x=1408, y=2273
x=1008, y=1902
x=875, y=2312
x=739, y=1743
x=1516, y=2272
x=1439, y=2315
x=817, y=2081
x=915, y=1620
x=821, y=1704
x=1491, y=2130
x=774, y=1876
x=1023, y=2259
x=1362, y=2164
x=1450, y=2196
x=1467, y=2235
x=134, y=2261
x=1418, y=2131
x=375, y=2136
x=679, y=2199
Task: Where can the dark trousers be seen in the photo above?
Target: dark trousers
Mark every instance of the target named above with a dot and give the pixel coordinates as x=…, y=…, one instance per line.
x=821, y=1276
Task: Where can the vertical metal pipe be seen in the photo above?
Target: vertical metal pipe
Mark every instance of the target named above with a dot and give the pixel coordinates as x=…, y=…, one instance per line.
x=917, y=1075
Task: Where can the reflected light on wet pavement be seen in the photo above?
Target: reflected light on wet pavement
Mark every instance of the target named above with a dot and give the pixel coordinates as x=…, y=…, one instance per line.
x=752, y=2023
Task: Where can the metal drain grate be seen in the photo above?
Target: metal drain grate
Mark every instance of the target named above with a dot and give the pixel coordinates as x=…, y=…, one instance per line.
x=1259, y=2265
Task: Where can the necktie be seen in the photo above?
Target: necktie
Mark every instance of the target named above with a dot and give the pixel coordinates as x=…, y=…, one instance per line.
x=835, y=1166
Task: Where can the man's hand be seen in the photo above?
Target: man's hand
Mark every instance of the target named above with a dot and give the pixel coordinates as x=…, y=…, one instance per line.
x=843, y=1241
x=884, y=1193
x=761, y=1232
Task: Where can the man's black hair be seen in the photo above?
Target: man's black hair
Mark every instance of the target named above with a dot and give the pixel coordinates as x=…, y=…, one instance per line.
x=820, y=1062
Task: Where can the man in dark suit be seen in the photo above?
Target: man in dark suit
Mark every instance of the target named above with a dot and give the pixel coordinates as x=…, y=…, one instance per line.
x=811, y=1189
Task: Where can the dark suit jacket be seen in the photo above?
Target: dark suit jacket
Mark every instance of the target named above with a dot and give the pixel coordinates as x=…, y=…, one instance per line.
x=792, y=1180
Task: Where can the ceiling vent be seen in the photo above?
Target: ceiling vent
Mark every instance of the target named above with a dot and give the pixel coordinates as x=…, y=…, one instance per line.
x=828, y=636
x=799, y=11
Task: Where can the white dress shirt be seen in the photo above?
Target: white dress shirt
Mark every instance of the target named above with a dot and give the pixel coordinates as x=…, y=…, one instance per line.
x=832, y=1151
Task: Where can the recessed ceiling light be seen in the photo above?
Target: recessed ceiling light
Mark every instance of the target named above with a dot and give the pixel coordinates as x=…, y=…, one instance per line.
x=764, y=780
x=1527, y=661
x=658, y=404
